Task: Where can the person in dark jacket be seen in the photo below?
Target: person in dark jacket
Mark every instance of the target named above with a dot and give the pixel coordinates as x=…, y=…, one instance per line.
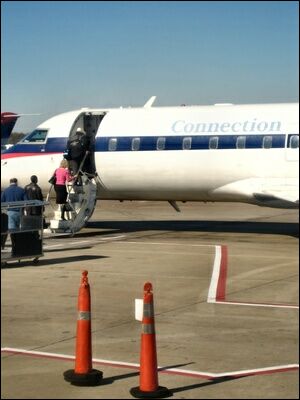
x=13, y=193
x=77, y=149
x=33, y=192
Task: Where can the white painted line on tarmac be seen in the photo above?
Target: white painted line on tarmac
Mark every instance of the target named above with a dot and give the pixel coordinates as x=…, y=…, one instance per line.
x=211, y=298
x=110, y=238
x=113, y=237
x=169, y=244
x=234, y=374
x=174, y=371
x=75, y=242
x=63, y=244
x=80, y=241
x=53, y=245
x=241, y=303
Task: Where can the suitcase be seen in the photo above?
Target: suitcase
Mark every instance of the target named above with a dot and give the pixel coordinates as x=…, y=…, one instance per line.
x=31, y=222
x=4, y=229
x=26, y=244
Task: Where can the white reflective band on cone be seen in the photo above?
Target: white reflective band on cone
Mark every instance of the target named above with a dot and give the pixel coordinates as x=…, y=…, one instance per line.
x=148, y=328
x=148, y=310
x=84, y=315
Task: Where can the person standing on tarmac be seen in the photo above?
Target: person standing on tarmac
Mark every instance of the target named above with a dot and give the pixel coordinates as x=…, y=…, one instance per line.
x=33, y=192
x=13, y=193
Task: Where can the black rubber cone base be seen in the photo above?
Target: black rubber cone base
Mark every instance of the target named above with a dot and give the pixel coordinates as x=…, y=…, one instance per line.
x=160, y=392
x=92, y=378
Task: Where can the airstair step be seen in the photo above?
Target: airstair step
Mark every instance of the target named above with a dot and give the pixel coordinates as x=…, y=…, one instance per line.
x=82, y=199
x=60, y=224
x=74, y=197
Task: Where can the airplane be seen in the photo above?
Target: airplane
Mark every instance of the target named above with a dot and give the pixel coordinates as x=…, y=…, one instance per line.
x=219, y=153
x=8, y=121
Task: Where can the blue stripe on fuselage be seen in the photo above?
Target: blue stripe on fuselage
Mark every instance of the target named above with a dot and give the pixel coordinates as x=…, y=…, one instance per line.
x=148, y=143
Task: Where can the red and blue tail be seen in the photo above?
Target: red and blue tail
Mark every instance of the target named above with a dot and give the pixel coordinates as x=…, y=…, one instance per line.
x=8, y=121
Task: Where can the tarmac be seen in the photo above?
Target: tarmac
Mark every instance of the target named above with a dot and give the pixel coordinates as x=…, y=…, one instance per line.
x=226, y=298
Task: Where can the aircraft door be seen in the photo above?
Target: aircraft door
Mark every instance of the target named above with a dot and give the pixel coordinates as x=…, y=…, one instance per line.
x=89, y=122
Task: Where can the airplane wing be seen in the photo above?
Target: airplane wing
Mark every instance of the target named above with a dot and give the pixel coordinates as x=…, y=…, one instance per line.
x=286, y=189
x=277, y=192
x=284, y=195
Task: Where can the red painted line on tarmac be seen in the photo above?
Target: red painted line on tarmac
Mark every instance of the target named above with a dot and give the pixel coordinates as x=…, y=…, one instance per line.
x=221, y=287
x=174, y=371
x=218, y=295
x=37, y=354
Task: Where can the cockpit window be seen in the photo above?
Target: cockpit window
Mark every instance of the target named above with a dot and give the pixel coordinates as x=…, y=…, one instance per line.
x=37, y=136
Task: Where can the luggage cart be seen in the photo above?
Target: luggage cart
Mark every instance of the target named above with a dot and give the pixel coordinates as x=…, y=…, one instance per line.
x=26, y=242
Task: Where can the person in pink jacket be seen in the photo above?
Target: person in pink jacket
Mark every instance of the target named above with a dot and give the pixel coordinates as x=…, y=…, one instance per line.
x=62, y=177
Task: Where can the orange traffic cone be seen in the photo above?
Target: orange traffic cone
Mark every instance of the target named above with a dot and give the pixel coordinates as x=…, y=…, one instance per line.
x=84, y=374
x=149, y=387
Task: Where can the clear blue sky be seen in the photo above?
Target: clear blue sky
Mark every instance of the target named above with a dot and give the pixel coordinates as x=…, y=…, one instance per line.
x=57, y=56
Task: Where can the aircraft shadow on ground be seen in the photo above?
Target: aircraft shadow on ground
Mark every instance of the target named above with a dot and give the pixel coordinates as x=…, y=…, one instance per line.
x=45, y=262
x=273, y=228
x=69, y=248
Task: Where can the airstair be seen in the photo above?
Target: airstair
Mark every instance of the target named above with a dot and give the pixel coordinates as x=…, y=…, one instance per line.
x=81, y=202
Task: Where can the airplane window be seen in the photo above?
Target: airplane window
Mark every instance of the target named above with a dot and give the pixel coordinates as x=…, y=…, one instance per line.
x=241, y=142
x=112, y=144
x=213, y=142
x=267, y=142
x=160, y=144
x=187, y=143
x=294, y=142
x=37, y=136
x=135, y=144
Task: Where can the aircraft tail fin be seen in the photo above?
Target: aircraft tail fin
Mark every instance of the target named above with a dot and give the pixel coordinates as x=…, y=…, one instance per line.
x=150, y=102
x=8, y=121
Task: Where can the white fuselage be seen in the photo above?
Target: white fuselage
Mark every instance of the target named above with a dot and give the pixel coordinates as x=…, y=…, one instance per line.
x=198, y=161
